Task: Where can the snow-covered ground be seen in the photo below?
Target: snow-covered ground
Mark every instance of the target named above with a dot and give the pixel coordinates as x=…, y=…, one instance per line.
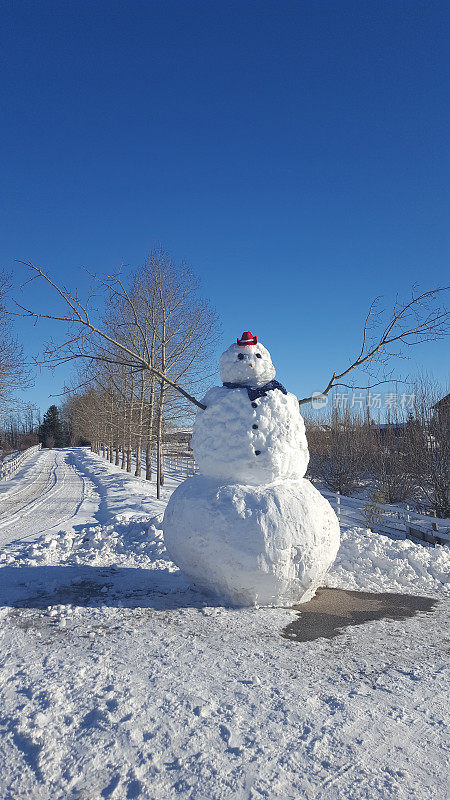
x=118, y=681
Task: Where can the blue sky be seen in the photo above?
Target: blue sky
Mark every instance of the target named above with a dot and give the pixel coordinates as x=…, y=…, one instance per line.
x=293, y=153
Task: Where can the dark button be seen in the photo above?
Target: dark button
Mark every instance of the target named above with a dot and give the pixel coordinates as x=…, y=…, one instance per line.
x=254, y=405
x=257, y=452
x=254, y=427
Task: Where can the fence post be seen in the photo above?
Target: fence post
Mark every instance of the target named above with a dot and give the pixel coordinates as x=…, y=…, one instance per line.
x=338, y=495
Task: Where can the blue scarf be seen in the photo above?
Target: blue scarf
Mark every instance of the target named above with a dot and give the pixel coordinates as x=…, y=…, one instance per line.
x=259, y=391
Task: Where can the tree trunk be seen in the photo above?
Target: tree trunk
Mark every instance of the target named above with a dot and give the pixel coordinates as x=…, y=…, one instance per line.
x=148, y=450
x=159, y=456
x=139, y=427
x=124, y=427
x=130, y=423
x=159, y=453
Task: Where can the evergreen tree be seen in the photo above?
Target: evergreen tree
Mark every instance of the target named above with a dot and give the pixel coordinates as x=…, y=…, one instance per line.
x=52, y=432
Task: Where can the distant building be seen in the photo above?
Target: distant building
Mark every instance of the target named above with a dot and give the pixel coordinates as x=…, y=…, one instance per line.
x=179, y=437
x=392, y=429
x=442, y=409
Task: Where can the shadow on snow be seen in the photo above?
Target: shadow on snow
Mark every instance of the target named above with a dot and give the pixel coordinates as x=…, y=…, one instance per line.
x=96, y=586
x=327, y=615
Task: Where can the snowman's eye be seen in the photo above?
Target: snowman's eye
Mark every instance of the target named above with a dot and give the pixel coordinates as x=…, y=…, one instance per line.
x=240, y=356
x=258, y=355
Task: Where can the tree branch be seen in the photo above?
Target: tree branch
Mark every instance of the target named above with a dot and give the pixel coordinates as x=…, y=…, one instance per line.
x=426, y=325
x=80, y=316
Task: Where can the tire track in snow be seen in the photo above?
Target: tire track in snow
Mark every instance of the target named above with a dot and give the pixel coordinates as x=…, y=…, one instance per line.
x=61, y=490
x=22, y=500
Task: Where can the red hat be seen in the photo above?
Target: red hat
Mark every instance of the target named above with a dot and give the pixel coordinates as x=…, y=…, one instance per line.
x=246, y=339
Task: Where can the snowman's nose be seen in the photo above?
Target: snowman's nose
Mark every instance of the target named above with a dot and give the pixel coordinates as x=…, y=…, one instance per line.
x=251, y=365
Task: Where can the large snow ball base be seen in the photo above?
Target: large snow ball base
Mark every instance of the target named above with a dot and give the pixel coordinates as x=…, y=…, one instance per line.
x=252, y=545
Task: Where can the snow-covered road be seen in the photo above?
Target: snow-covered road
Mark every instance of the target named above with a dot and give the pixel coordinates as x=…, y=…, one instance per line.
x=117, y=681
x=58, y=489
x=46, y=493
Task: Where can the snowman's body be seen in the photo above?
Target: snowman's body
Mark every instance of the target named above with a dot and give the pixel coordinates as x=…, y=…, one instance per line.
x=250, y=528
x=251, y=441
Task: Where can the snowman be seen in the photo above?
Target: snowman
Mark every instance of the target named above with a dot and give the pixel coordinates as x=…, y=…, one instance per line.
x=250, y=529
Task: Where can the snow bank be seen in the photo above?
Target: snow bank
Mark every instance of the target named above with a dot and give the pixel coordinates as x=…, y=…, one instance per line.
x=369, y=562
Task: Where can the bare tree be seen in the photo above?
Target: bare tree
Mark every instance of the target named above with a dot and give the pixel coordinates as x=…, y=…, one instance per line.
x=429, y=445
x=405, y=458
x=88, y=332
x=391, y=464
x=13, y=373
x=338, y=451
x=19, y=428
x=183, y=325
x=149, y=342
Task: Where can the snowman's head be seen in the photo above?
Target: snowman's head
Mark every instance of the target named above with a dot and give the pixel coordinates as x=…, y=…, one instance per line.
x=248, y=364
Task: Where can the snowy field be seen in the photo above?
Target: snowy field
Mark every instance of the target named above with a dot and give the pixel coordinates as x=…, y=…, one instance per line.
x=117, y=681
